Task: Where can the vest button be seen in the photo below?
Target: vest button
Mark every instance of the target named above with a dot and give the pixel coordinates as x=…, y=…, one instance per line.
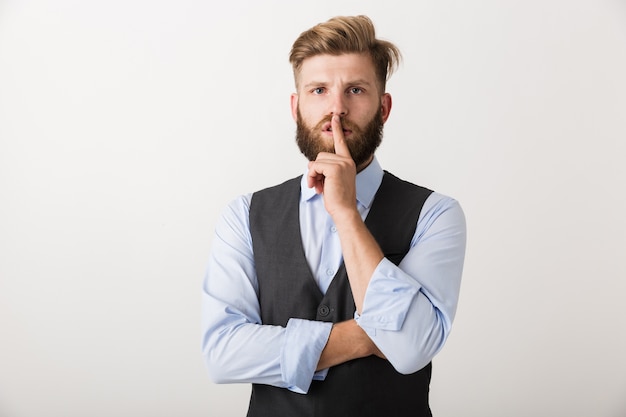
x=323, y=310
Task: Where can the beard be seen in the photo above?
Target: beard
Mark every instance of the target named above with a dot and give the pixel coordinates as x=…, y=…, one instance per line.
x=362, y=142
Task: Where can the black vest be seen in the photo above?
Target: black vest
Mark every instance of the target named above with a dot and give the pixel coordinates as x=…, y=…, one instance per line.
x=362, y=387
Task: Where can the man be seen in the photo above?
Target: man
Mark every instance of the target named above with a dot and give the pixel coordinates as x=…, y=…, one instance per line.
x=332, y=292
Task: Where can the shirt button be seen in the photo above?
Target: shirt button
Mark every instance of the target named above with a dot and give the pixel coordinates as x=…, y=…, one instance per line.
x=333, y=229
x=329, y=272
x=323, y=310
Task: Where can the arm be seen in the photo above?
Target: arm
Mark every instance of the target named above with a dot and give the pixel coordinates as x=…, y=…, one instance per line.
x=347, y=341
x=236, y=346
x=334, y=175
x=406, y=310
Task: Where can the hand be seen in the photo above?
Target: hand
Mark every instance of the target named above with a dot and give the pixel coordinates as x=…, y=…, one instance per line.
x=334, y=175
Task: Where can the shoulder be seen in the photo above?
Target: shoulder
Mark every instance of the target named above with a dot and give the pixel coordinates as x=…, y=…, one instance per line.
x=435, y=201
x=390, y=178
x=234, y=216
x=441, y=214
x=290, y=184
x=438, y=202
x=276, y=195
x=438, y=209
x=237, y=211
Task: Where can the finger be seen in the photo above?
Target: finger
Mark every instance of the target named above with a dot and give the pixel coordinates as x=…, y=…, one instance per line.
x=315, y=179
x=341, y=148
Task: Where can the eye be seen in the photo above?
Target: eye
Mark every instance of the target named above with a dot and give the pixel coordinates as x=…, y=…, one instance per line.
x=355, y=90
x=318, y=90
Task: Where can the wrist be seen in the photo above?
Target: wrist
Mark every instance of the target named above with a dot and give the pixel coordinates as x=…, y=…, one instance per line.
x=363, y=345
x=348, y=218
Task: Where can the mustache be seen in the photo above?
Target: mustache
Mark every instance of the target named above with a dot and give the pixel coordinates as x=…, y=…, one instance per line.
x=345, y=123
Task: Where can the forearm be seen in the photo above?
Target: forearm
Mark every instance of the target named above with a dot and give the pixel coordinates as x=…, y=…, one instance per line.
x=236, y=351
x=236, y=346
x=347, y=341
x=361, y=253
x=421, y=335
x=244, y=353
x=409, y=308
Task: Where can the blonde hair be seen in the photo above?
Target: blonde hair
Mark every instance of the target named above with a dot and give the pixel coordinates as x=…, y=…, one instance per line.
x=342, y=35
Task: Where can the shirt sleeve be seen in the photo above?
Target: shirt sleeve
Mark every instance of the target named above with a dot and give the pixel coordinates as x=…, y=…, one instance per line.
x=236, y=346
x=408, y=309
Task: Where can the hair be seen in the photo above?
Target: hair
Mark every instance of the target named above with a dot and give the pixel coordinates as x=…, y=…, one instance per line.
x=343, y=35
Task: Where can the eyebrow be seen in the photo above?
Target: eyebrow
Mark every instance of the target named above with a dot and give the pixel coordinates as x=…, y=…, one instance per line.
x=324, y=84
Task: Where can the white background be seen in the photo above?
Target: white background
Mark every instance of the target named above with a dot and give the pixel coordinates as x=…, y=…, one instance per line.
x=126, y=126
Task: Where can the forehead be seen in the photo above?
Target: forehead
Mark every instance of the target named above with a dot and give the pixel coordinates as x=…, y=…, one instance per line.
x=345, y=67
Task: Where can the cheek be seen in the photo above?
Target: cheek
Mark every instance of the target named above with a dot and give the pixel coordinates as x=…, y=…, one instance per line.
x=310, y=115
x=365, y=110
x=365, y=118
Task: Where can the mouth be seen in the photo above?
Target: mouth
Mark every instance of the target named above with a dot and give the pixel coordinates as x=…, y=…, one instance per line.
x=328, y=128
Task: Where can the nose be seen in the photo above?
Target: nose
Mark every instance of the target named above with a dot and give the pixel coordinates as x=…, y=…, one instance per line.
x=338, y=105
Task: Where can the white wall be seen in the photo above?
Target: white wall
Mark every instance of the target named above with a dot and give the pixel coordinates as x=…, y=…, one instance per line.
x=126, y=125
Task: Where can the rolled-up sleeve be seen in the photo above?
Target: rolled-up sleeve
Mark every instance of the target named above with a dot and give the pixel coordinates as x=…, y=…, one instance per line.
x=300, y=353
x=408, y=309
x=236, y=346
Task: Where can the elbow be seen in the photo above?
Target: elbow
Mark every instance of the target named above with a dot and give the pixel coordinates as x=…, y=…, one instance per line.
x=410, y=365
x=218, y=373
x=214, y=363
x=416, y=356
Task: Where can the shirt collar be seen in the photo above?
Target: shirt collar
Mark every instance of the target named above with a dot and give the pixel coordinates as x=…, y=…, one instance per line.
x=367, y=183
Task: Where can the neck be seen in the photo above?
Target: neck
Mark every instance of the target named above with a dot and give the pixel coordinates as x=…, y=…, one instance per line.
x=365, y=164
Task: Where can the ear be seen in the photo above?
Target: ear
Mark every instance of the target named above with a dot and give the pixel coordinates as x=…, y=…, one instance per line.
x=294, y=106
x=385, y=103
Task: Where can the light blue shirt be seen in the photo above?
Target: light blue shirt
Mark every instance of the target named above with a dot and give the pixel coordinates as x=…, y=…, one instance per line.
x=407, y=311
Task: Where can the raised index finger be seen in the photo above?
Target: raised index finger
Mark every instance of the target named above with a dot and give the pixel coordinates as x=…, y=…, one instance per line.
x=341, y=148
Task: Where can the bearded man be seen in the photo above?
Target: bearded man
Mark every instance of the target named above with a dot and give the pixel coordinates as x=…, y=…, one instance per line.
x=332, y=292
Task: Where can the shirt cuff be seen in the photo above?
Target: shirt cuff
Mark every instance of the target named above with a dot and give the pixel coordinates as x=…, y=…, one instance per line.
x=300, y=353
x=387, y=299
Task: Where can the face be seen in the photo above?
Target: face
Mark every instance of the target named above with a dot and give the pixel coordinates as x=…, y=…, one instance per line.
x=344, y=85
